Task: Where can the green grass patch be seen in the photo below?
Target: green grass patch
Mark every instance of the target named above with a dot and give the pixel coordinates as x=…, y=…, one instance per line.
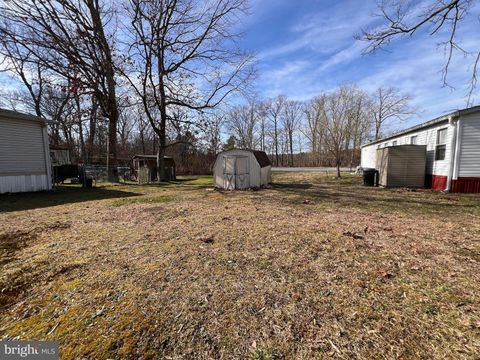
x=144, y=200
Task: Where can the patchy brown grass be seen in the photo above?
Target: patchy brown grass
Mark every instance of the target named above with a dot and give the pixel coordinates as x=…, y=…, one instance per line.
x=314, y=267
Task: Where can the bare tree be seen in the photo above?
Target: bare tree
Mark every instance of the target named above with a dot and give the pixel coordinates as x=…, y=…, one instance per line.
x=389, y=104
x=313, y=129
x=183, y=54
x=243, y=122
x=274, y=111
x=405, y=18
x=291, y=120
x=336, y=119
x=71, y=41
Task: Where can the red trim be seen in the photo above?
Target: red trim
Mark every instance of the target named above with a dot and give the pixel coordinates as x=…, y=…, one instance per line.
x=466, y=185
x=436, y=182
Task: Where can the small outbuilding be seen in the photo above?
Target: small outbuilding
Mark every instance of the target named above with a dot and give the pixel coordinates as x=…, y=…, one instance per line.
x=145, y=168
x=242, y=169
x=24, y=153
x=402, y=166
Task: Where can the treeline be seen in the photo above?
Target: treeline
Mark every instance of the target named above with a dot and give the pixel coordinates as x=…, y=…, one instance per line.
x=327, y=130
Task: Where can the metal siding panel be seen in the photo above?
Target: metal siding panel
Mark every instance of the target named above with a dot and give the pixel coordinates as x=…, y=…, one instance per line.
x=469, y=165
x=21, y=147
x=23, y=183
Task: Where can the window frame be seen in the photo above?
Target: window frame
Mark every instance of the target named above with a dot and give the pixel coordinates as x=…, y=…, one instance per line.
x=441, y=147
x=414, y=140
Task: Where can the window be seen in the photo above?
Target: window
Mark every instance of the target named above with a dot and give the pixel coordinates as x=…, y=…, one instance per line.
x=394, y=143
x=413, y=140
x=441, y=147
x=379, y=146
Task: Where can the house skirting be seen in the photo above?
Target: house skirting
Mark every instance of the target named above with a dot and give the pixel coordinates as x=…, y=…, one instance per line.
x=24, y=183
x=436, y=182
x=461, y=185
x=466, y=185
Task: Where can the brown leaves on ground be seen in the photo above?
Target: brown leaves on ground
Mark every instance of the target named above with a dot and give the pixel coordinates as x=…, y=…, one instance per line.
x=359, y=273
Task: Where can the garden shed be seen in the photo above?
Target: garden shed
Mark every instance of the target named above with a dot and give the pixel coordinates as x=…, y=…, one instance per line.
x=402, y=166
x=24, y=153
x=145, y=168
x=242, y=169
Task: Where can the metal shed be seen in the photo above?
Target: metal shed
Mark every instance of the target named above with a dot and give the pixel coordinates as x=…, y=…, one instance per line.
x=145, y=168
x=402, y=166
x=24, y=153
x=242, y=169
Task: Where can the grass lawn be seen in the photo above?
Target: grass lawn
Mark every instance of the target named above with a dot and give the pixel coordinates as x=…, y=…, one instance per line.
x=313, y=267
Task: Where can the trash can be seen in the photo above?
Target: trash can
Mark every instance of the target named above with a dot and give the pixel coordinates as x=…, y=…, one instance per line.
x=370, y=177
x=88, y=183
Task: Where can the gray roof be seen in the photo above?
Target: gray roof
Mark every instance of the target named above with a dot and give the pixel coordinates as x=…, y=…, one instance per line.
x=436, y=121
x=10, y=114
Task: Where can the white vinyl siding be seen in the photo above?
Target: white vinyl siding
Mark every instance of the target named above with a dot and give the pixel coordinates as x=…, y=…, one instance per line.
x=469, y=157
x=426, y=137
x=369, y=156
x=22, y=148
x=24, y=160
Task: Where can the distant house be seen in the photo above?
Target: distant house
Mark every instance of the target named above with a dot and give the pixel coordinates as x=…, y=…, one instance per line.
x=145, y=168
x=453, y=150
x=24, y=153
x=242, y=169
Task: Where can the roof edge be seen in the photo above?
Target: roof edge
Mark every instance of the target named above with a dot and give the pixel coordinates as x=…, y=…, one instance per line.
x=427, y=124
x=11, y=114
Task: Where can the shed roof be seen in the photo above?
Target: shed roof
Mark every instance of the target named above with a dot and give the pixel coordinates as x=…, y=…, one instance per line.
x=10, y=114
x=262, y=158
x=436, y=121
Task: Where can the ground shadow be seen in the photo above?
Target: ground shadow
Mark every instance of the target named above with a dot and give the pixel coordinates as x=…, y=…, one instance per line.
x=343, y=194
x=291, y=186
x=60, y=196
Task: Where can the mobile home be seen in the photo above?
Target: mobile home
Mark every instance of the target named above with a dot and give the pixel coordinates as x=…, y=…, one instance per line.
x=24, y=153
x=453, y=150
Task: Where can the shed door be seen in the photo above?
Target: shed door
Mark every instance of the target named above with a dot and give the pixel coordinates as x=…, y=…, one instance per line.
x=235, y=172
x=242, y=176
x=229, y=173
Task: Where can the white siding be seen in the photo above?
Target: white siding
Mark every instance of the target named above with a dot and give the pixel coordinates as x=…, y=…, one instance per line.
x=23, y=183
x=24, y=160
x=369, y=156
x=426, y=137
x=22, y=150
x=469, y=157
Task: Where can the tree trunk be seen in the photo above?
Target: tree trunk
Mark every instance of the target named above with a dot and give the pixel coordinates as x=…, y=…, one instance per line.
x=338, y=169
x=110, y=100
x=290, y=138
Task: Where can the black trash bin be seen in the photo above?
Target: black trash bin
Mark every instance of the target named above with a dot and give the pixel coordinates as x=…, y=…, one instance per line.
x=88, y=183
x=370, y=177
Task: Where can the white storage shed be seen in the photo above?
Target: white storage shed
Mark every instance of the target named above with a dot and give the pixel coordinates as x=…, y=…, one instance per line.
x=453, y=150
x=24, y=153
x=242, y=169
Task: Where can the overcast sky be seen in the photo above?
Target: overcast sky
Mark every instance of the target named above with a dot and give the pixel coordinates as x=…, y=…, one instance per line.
x=305, y=47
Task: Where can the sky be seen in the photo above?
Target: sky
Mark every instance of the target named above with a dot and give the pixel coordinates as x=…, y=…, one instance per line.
x=305, y=47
